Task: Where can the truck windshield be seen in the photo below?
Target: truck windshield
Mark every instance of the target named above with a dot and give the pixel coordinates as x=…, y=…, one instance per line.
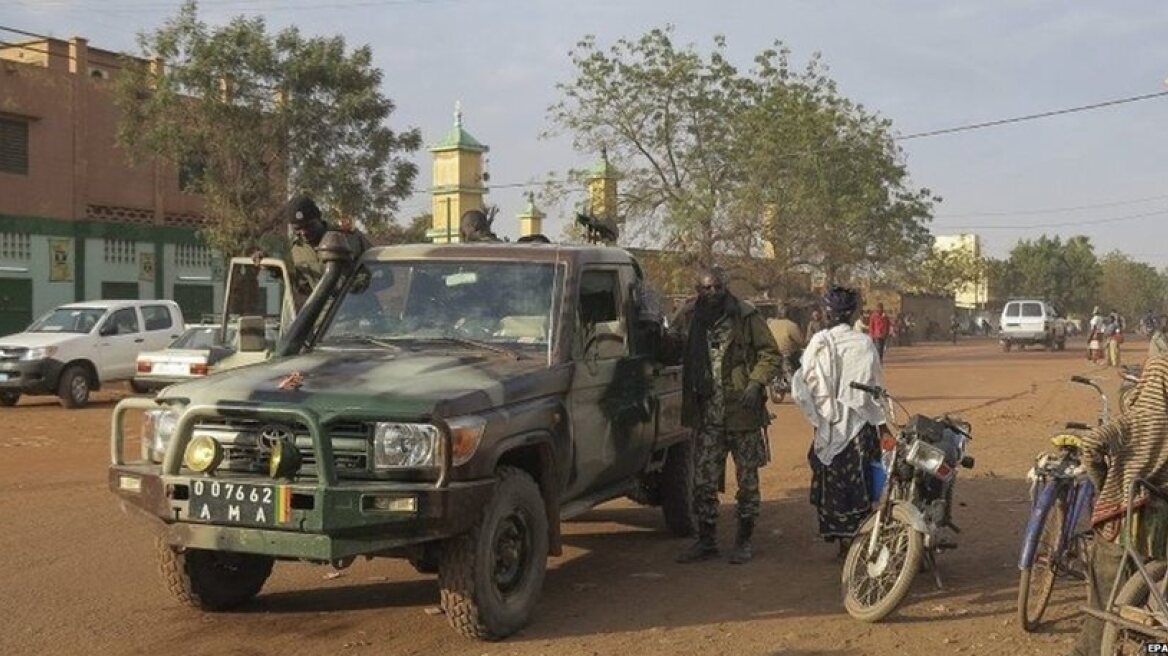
x=68, y=320
x=497, y=302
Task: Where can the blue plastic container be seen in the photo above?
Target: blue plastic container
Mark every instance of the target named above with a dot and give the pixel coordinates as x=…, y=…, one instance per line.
x=876, y=478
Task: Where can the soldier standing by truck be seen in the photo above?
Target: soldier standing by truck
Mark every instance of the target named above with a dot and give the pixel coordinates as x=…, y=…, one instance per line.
x=729, y=356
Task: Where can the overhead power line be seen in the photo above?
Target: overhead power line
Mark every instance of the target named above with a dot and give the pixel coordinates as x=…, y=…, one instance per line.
x=1053, y=210
x=1032, y=117
x=1065, y=224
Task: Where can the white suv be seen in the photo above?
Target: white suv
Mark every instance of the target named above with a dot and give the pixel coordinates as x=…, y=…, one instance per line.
x=77, y=348
x=1032, y=322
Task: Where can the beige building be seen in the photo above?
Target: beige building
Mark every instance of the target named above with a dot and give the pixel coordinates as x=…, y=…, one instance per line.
x=972, y=296
x=78, y=221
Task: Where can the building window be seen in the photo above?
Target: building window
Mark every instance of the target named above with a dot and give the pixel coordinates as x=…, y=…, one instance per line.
x=15, y=246
x=121, y=251
x=189, y=256
x=13, y=146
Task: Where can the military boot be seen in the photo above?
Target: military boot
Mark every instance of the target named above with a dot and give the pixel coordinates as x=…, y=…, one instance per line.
x=704, y=548
x=743, y=551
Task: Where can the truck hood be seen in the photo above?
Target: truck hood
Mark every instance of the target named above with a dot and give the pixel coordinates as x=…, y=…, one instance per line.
x=398, y=385
x=37, y=340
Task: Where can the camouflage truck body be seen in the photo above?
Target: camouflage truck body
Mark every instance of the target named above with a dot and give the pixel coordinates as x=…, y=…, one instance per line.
x=397, y=419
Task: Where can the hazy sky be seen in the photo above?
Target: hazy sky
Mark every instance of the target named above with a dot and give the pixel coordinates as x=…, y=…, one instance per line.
x=925, y=65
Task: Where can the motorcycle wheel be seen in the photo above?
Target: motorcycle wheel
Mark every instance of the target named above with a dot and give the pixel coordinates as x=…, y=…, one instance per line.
x=874, y=588
x=1133, y=595
x=1037, y=581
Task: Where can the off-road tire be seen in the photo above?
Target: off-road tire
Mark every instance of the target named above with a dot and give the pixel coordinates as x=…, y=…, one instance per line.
x=9, y=399
x=646, y=489
x=138, y=388
x=74, y=387
x=1133, y=593
x=915, y=552
x=1035, y=583
x=211, y=580
x=471, y=598
x=676, y=489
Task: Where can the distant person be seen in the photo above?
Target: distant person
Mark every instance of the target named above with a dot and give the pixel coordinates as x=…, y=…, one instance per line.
x=879, y=329
x=985, y=327
x=1158, y=345
x=1095, y=336
x=790, y=341
x=475, y=225
x=1114, y=332
x=861, y=324
x=814, y=325
x=954, y=328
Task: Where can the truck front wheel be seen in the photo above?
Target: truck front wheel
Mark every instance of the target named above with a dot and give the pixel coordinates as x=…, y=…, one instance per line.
x=9, y=399
x=212, y=580
x=491, y=576
x=676, y=489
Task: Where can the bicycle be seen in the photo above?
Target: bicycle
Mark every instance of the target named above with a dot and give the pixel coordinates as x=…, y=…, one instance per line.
x=1136, y=613
x=1062, y=494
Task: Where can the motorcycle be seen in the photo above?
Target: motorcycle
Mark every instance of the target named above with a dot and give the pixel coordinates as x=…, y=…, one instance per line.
x=780, y=385
x=919, y=461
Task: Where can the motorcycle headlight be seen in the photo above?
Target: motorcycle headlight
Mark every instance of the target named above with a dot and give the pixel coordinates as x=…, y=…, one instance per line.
x=404, y=445
x=39, y=353
x=158, y=427
x=928, y=459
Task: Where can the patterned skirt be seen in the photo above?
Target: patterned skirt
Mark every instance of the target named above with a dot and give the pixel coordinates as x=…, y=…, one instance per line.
x=839, y=491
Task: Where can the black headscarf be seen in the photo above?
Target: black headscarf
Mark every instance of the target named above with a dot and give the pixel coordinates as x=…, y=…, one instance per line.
x=841, y=304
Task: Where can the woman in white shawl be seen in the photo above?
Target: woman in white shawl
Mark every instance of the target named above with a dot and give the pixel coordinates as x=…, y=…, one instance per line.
x=845, y=419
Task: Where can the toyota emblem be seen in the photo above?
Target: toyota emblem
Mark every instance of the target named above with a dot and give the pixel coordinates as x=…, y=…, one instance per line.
x=271, y=433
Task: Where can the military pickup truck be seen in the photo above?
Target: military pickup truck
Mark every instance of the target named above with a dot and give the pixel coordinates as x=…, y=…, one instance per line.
x=447, y=404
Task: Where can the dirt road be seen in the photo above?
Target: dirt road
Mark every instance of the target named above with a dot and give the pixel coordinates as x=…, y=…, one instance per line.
x=77, y=576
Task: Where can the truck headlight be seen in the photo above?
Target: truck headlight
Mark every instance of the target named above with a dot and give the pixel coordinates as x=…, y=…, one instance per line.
x=404, y=445
x=158, y=427
x=39, y=353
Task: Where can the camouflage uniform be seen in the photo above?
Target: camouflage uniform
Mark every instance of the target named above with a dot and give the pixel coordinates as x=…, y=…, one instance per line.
x=713, y=442
x=305, y=266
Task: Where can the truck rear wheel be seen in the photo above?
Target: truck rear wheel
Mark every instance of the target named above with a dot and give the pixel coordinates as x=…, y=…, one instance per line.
x=212, y=580
x=676, y=489
x=491, y=576
x=9, y=399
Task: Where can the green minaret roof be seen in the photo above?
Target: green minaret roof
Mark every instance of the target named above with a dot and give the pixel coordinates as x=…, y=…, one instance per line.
x=602, y=169
x=458, y=138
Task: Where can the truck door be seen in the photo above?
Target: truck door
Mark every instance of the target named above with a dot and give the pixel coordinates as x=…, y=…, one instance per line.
x=120, y=339
x=1032, y=320
x=606, y=419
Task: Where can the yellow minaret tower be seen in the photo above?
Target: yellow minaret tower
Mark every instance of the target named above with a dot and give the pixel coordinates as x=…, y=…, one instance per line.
x=530, y=219
x=458, y=180
x=602, y=191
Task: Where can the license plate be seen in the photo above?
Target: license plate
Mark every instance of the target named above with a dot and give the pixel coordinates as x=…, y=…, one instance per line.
x=171, y=369
x=224, y=502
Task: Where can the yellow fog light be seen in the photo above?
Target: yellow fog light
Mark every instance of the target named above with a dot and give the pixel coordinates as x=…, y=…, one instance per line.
x=285, y=460
x=203, y=454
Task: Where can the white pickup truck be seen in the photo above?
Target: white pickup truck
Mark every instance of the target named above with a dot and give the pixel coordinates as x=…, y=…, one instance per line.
x=79, y=347
x=1027, y=322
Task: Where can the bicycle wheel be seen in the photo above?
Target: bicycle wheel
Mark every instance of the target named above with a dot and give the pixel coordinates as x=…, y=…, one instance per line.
x=1132, y=600
x=1037, y=581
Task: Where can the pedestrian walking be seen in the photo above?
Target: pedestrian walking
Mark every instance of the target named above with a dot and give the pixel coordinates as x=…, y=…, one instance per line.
x=1095, y=336
x=845, y=420
x=879, y=329
x=729, y=357
x=1114, y=334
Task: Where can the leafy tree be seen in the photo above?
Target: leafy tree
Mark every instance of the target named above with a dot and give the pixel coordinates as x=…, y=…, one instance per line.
x=767, y=162
x=824, y=187
x=1064, y=273
x=394, y=233
x=945, y=272
x=256, y=114
x=661, y=113
x=1130, y=287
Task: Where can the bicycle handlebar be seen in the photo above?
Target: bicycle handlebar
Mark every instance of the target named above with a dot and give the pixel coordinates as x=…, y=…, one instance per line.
x=1082, y=380
x=874, y=390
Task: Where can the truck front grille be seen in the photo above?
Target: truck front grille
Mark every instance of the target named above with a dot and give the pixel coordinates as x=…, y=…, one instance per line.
x=247, y=443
